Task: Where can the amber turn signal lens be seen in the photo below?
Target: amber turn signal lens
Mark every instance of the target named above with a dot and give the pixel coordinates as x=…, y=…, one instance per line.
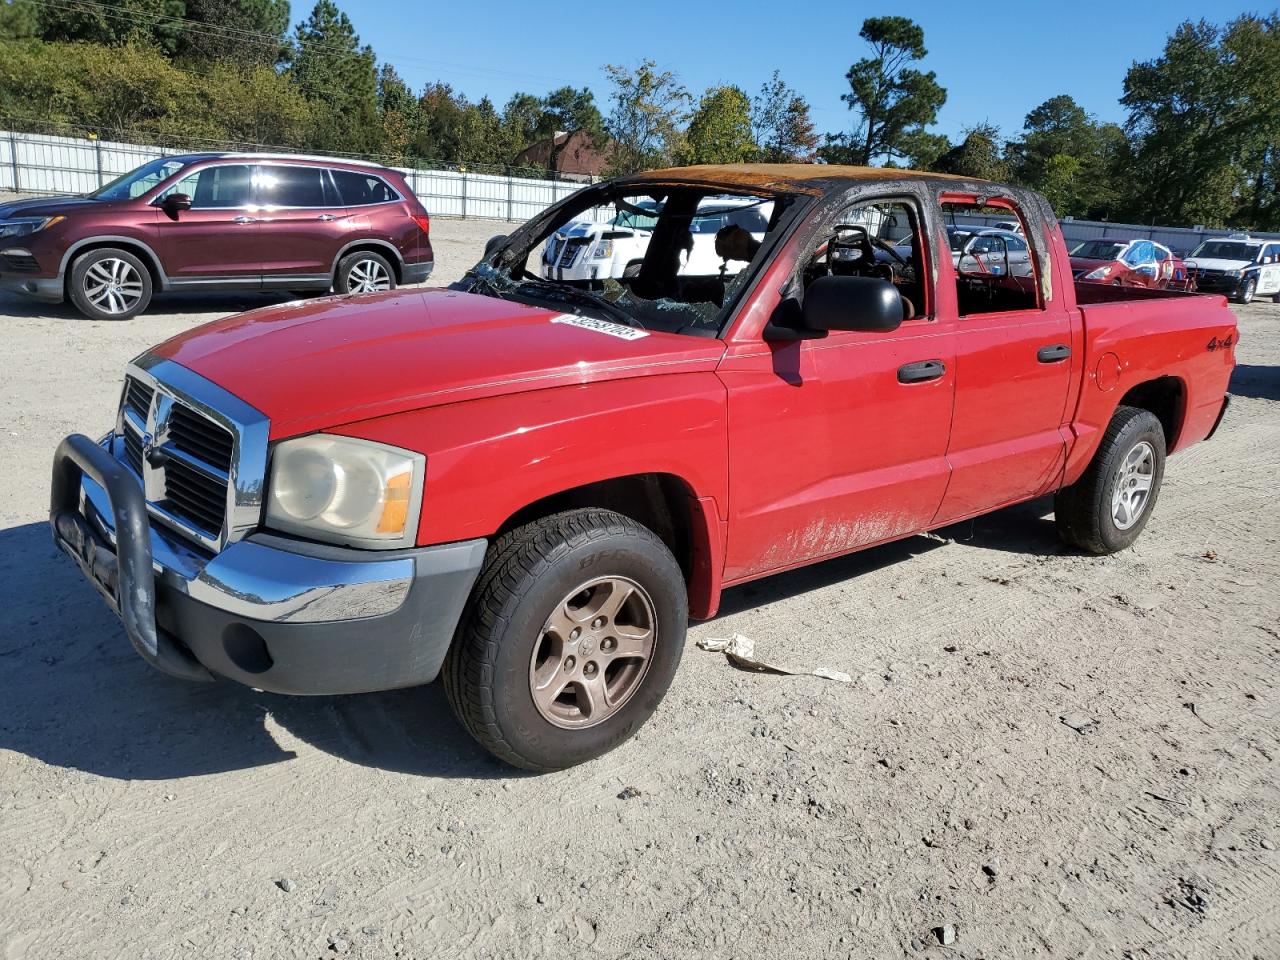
x=395, y=504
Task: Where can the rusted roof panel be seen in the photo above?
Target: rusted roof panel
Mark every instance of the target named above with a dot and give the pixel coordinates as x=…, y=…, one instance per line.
x=813, y=178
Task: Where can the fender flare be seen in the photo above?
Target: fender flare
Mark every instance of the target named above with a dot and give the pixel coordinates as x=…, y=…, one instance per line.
x=107, y=239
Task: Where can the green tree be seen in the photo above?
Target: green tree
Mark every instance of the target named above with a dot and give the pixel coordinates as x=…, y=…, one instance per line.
x=720, y=129
x=249, y=32
x=572, y=111
x=780, y=124
x=893, y=99
x=336, y=74
x=18, y=20
x=1069, y=157
x=648, y=108
x=400, y=113
x=978, y=155
x=115, y=23
x=1205, y=124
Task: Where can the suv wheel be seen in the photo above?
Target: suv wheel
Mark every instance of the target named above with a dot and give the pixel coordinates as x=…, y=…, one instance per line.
x=572, y=638
x=1250, y=288
x=1105, y=510
x=109, y=284
x=364, y=272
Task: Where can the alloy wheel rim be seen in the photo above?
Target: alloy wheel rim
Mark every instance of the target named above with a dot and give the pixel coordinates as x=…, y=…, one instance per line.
x=368, y=276
x=1131, y=491
x=113, y=285
x=593, y=652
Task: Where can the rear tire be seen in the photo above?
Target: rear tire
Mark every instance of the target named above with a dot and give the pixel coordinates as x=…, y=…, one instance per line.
x=1108, y=507
x=544, y=673
x=109, y=284
x=364, y=272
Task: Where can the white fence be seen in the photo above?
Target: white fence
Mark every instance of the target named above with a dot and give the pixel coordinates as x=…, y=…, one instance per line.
x=41, y=164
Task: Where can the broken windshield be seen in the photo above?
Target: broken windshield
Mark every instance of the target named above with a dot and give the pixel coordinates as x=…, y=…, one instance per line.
x=672, y=259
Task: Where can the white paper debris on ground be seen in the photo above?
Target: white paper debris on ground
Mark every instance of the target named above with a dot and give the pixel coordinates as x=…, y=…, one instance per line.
x=741, y=652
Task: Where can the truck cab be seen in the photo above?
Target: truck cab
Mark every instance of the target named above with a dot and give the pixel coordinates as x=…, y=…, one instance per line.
x=527, y=486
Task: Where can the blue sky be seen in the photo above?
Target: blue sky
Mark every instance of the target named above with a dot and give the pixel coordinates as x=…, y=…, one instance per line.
x=996, y=60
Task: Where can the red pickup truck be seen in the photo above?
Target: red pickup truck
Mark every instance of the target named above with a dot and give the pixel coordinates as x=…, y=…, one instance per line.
x=529, y=486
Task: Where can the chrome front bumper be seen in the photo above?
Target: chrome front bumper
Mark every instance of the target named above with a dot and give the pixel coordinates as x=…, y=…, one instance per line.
x=272, y=612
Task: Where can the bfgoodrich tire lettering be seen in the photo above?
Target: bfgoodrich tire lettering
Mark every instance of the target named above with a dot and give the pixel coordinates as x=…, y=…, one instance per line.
x=528, y=574
x=1108, y=507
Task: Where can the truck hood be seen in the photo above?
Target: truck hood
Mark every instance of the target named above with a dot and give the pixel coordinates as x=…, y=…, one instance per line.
x=45, y=206
x=317, y=364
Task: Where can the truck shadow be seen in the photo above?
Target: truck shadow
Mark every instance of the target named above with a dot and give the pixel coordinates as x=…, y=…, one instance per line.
x=73, y=694
x=1254, y=380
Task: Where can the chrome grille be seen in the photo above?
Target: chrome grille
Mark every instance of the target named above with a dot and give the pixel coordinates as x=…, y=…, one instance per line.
x=200, y=452
x=200, y=437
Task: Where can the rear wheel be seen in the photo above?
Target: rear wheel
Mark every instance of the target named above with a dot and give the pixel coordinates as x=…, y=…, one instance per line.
x=109, y=284
x=1108, y=507
x=364, y=272
x=573, y=636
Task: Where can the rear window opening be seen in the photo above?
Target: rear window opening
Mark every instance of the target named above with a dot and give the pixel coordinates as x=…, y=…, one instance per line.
x=995, y=267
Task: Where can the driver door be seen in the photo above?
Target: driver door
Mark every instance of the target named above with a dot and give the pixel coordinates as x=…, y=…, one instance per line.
x=838, y=443
x=216, y=241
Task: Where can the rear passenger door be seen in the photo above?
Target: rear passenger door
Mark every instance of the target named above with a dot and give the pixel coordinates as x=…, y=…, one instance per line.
x=303, y=222
x=216, y=242
x=1013, y=369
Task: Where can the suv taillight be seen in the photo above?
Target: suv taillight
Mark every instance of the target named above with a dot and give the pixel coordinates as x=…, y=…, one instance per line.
x=423, y=221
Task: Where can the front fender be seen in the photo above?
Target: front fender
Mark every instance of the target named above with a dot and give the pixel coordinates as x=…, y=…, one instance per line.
x=489, y=458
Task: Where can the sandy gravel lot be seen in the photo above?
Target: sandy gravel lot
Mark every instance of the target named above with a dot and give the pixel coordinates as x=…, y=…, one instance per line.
x=771, y=816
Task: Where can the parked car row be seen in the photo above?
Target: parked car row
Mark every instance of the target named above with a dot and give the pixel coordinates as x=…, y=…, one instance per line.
x=217, y=221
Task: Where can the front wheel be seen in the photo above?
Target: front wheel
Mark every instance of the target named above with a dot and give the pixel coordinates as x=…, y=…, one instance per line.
x=571, y=640
x=109, y=284
x=364, y=272
x=1250, y=288
x=1107, y=508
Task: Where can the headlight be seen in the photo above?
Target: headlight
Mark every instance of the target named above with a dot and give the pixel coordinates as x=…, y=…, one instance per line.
x=344, y=490
x=603, y=250
x=26, y=226
x=1100, y=274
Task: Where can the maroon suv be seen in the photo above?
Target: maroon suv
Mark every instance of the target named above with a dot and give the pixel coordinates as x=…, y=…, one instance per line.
x=217, y=221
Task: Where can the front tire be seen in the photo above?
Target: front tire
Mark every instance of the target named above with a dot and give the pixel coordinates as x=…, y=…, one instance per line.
x=1250, y=288
x=364, y=272
x=1108, y=507
x=571, y=639
x=109, y=284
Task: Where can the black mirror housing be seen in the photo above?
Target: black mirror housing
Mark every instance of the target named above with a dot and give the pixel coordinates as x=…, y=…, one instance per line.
x=493, y=243
x=176, y=201
x=862, y=304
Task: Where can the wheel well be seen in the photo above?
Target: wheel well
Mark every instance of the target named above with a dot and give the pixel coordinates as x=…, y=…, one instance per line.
x=1166, y=398
x=660, y=501
x=137, y=249
x=377, y=248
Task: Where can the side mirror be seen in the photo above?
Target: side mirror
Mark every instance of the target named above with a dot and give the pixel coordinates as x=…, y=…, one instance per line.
x=864, y=304
x=174, y=203
x=493, y=244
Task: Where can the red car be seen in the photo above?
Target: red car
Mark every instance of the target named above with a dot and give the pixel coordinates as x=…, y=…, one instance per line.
x=1129, y=263
x=527, y=486
x=217, y=221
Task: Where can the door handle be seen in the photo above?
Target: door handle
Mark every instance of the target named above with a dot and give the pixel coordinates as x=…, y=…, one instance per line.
x=244, y=220
x=921, y=371
x=1053, y=353
x=326, y=217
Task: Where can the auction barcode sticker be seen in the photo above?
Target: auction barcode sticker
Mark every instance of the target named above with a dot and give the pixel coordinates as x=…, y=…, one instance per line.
x=601, y=326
